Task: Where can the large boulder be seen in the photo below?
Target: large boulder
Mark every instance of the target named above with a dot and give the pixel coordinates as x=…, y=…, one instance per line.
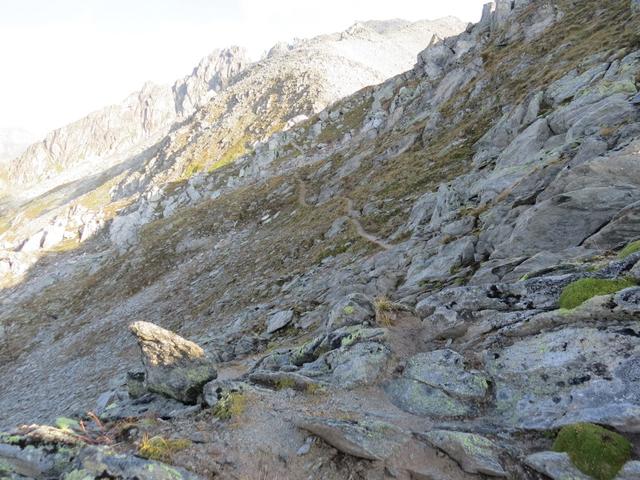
x=575, y=374
x=175, y=367
x=279, y=320
x=437, y=384
x=43, y=452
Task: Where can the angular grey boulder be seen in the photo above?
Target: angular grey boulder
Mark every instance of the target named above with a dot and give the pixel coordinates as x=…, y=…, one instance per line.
x=101, y=462
x=421, y=399
x=216, y=390
x=368, y=439
x=551, y=379
x=474, y=453
x=353, y=309
x=175, y=367
x=47, y=452
x=279, y=320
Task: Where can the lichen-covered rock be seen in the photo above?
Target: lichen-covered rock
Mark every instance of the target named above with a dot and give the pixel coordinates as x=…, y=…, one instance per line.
x=354, y=309
x=573, y=215
x=149, y=404
x=44, y=452
x=31, y=462
x=445, y=370
x=96, y=462
x=136, y=384
x=575, y=374
x=424, y=400
x=283, y=380
x=174, y=367
x=215, y=390
x=474, y=453
x=368, y=439
x=359, y=364
x=347, y=336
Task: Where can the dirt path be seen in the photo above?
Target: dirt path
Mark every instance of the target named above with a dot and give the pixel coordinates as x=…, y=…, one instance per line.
x=351, y=212
x=302, y=191
x=353, y=216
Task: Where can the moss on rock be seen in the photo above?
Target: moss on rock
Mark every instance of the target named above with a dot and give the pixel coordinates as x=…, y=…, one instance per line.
x=578, y=292
x=594, y=450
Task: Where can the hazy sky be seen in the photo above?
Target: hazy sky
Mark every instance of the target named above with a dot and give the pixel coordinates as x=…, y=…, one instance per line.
x=62, y=59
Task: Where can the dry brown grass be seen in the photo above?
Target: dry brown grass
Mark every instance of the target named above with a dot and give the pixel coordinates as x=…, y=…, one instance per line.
x=387, y=312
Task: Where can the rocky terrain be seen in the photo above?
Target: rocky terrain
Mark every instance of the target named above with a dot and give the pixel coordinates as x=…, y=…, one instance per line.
x=435, y=277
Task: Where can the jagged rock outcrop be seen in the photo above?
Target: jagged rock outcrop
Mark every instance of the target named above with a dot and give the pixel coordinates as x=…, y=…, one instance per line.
x=213, y=74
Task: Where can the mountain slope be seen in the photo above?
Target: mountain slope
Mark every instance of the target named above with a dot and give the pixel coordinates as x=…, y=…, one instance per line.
x=292, y=83
x=141, y=117
x=381, y=282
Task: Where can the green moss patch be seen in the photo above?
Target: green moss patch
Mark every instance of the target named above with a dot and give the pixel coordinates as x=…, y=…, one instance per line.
x=630, y=249
x=67, y=424
x=578, y=292
x=594, y=450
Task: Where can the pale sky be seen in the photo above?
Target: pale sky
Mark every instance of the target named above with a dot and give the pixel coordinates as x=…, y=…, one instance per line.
x=62, y=59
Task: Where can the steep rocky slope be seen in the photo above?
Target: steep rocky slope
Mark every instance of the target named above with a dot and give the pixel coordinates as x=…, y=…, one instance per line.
x=434, y=277
x=290, y=84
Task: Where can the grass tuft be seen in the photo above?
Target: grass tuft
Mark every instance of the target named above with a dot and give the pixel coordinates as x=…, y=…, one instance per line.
x=285, y=383
x=386, y=311
x=160, y=448
x=67, y=424
x=231, y=405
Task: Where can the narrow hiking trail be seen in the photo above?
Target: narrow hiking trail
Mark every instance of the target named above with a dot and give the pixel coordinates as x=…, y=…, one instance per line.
x=302, y=191
x=350, y=211
x=353, y=216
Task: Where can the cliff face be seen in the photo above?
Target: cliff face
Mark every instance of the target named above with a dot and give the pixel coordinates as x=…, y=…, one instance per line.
x=433, y=277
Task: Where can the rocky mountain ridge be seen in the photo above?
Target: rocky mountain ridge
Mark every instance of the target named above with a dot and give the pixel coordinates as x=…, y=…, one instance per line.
x=434, y=277
x=144, y=115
